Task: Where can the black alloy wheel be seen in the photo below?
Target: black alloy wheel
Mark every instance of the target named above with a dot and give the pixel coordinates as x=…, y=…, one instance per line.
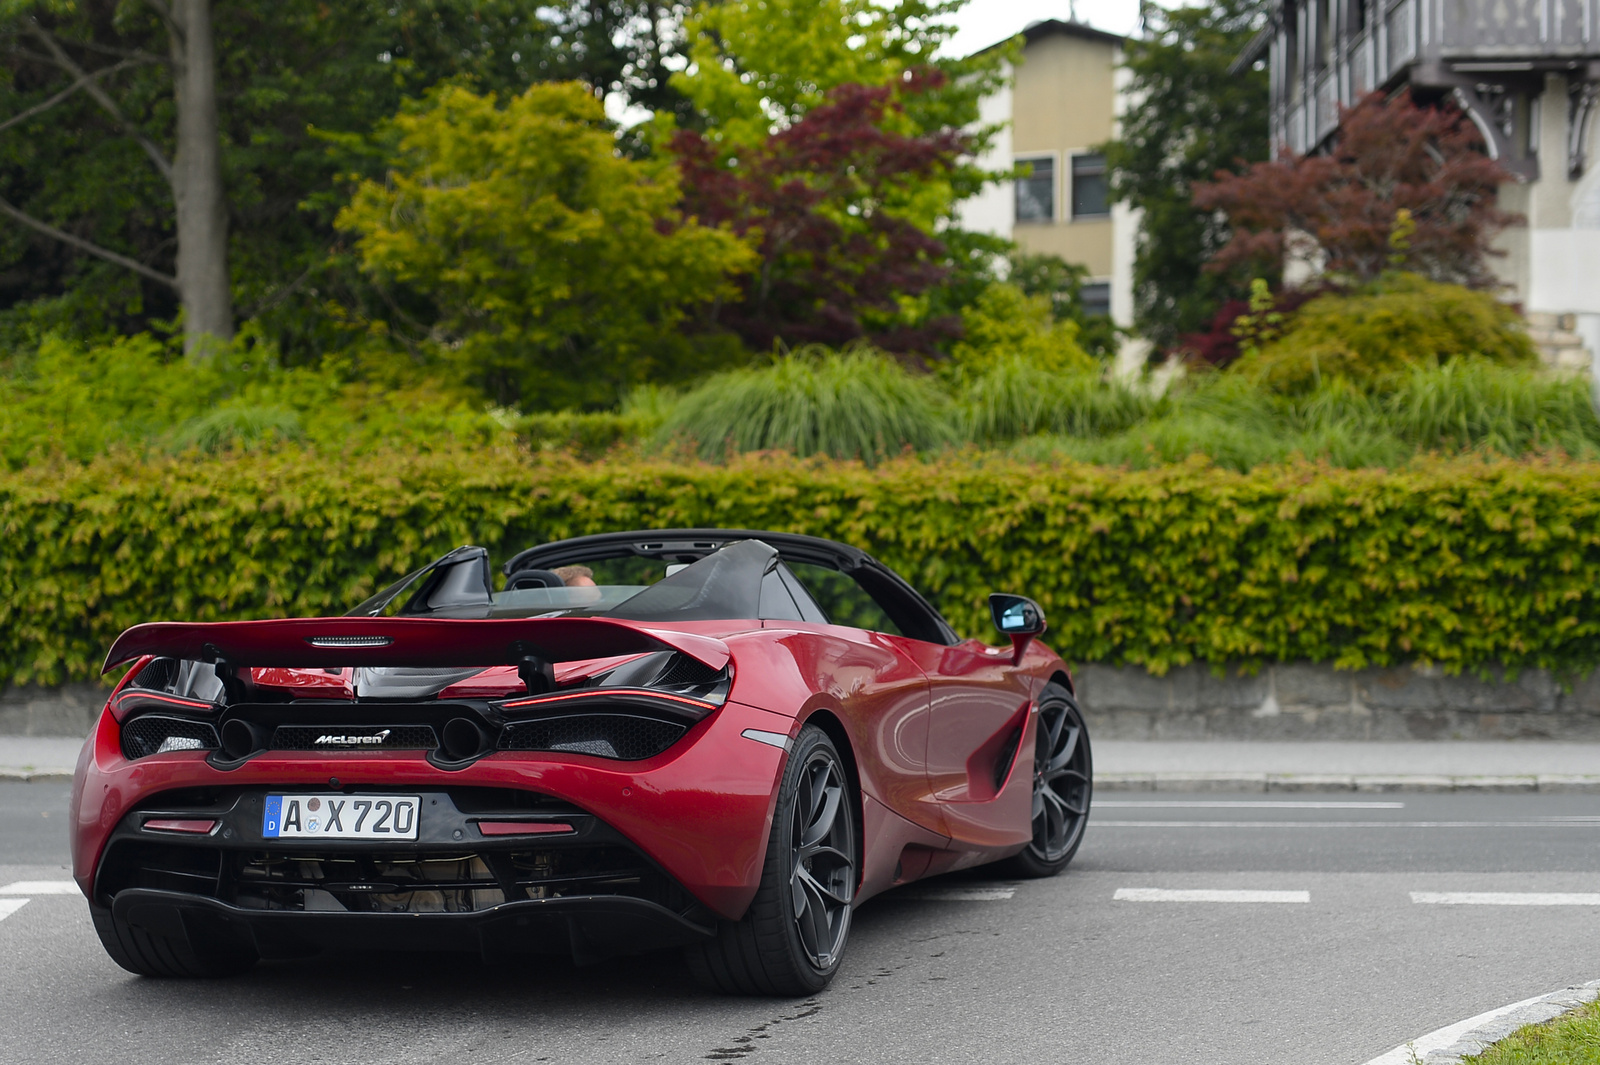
x=1063, y=779
x=822, y=875
x=793, y=936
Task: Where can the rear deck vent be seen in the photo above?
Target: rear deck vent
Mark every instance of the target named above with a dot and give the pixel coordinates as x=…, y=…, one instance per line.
x=626, y=737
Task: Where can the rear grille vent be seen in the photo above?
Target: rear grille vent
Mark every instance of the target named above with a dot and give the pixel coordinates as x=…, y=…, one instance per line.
x=685, y=671
x=155, y=734
x=622, y=736
x=158, y=676
x=359, y=738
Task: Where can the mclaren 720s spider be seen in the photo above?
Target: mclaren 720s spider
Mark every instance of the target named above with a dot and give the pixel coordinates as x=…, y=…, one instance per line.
x=716, y=740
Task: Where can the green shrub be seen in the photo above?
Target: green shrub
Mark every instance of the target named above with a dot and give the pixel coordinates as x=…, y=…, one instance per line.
x=1473, y=404
x=1016, y=397
x=1463, y=406
x=1375, y=335
x=1007, y=323
x=858, y=404
x=1467, y=564
x=69, y=401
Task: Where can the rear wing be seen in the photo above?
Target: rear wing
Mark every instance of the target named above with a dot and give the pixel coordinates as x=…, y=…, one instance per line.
x=339, y=642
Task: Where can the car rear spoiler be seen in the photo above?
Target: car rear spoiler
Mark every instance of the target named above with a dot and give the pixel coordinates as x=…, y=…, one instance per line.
x=347, y=641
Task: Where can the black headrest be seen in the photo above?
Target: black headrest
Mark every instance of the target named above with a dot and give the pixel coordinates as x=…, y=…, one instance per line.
x=534, y=578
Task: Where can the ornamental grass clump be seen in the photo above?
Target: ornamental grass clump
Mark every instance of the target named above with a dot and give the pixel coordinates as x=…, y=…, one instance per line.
x=1018, y=397
x=856, y=404
x=1474, y=405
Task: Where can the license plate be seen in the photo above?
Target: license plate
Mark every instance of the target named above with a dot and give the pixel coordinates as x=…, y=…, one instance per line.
x=341, y=817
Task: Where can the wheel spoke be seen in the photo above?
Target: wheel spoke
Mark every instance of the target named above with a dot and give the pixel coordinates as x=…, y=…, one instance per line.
x=1068, y=749
x=816, y=888
x=1055, y=818
x=822, y=823
x=830, y=857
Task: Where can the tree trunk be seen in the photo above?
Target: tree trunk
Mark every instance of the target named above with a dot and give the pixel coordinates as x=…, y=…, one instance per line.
x=203, y=280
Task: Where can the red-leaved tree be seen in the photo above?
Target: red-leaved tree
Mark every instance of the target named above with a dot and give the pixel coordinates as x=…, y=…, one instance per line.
x=1390, y=155
x=827, y=201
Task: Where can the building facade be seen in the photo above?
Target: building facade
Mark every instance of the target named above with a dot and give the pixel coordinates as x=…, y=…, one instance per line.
x=1527, y=72
x=1060, y=104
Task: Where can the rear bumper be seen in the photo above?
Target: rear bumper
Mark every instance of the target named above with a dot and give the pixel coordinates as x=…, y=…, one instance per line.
x=589, y=929
x=700, y=811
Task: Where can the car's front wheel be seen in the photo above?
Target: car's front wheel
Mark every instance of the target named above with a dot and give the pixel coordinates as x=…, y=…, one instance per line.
x=1063, y=778
x=791, y=939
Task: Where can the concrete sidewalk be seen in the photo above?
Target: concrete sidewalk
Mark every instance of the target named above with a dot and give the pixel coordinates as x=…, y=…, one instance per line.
x=1205, y=765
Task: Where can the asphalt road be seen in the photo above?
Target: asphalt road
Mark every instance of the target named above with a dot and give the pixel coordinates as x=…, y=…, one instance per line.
x=962, y=969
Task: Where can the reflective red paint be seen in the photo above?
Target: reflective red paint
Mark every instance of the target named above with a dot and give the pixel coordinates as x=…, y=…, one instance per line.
x=921, y=726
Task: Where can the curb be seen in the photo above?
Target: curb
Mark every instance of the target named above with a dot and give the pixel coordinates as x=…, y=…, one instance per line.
x=1492, y=1027
x=1548, y=783
x=28, y=774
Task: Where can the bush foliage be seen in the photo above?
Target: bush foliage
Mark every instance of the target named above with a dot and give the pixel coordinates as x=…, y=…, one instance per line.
x=1374, y=335
x=1466, y=564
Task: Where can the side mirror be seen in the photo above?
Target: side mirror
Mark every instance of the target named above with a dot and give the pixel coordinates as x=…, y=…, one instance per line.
x=1016, y=615
x=1019, y=618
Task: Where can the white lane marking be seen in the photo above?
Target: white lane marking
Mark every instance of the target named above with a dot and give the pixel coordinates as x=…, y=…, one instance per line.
x=1265, y=804
x=957, y=894
x=1506, y=898
x=10, y=906
x=1422, y=1045
x=1145, y=894
x=1345, y=824
x=40, y=887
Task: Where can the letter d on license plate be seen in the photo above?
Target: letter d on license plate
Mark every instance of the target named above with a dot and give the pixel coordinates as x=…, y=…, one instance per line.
x=341, y=817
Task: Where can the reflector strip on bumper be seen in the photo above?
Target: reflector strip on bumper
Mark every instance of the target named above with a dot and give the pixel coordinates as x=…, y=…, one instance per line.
x=522, y=828
x=162, y=824
x=771, y=739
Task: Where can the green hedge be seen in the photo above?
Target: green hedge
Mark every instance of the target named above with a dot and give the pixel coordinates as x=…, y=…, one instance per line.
x=1466, y=564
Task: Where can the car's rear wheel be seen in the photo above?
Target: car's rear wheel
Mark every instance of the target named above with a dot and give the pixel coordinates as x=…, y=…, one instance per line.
x=791, y=939
x=190, y=952
x=1063, y=778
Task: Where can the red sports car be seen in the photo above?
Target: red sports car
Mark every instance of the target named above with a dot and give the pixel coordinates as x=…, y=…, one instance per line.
x=720, y=740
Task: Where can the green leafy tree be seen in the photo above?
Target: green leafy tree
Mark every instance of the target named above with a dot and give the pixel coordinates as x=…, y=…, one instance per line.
x=558, y=269
x=1061, y=283
x=80, y=133
x=1190, y=117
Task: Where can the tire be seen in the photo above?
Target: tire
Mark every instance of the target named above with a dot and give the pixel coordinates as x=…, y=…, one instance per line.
x=793, y=936
x=146, y=952
x=1063, y=782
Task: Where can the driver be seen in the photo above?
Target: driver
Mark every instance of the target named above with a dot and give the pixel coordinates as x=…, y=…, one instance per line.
x=575, y=576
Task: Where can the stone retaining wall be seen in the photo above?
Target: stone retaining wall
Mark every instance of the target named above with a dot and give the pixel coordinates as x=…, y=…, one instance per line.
x=1295, y=701
x=1305, y=701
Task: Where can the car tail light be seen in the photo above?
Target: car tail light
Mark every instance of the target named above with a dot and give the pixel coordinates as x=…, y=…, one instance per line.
x=135, y=700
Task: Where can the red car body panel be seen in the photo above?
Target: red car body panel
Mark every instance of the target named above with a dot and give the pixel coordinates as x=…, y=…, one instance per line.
x=930, y=733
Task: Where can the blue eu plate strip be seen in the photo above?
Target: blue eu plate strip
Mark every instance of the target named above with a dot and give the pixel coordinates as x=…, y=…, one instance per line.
x=274, y=814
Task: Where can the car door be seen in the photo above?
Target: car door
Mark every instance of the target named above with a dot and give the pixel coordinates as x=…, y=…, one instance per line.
x=978, y=715
x=977, y=712
x=877, y=680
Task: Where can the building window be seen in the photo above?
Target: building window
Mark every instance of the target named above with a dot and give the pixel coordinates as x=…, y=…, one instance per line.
x=1036, y=193
x=1095, y=297
x=1089, y=190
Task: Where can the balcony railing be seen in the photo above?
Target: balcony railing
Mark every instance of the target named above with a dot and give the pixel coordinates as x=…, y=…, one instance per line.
x=1495, y=28
x=1400, y=25
x=1362, y=67
x=1327, y=101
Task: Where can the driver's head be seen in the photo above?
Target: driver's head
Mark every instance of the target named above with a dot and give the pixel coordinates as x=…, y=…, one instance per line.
x=575, y=576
